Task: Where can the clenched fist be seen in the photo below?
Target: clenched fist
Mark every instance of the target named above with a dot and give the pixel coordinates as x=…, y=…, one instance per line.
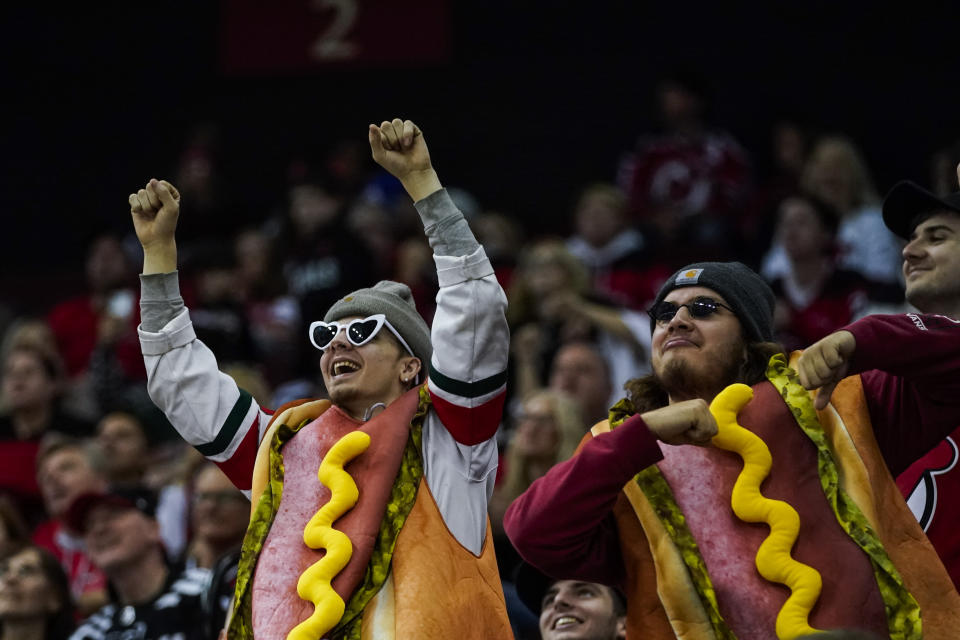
x=399, y=147
x=155, y=210
x=825, y=363
x=687, y=422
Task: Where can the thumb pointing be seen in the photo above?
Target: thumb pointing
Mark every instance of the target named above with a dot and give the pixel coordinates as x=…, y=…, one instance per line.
x=823, y=395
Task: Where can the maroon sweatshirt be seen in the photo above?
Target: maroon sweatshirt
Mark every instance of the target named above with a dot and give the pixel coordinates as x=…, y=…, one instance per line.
x=910, y=369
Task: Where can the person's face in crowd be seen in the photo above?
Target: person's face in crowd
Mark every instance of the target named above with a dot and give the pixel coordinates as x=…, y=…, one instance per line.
x=25, y=590
x=107, y=265
x=195, y=171
x=26, y=382
x=547, y=277
x=579, y=371
x=252, y=250
x=311, y=208
x=373, y=223
x=123, y=442
x=832, y=176
x=679, y=107
x=216, y=285
x=573, y=610
x=119, y=537
x=697, y=357
x=220, y=511
x=536, y=435
x=788, y=148
x=801, y=230
x=64, y=475
x=599, y=219
x=356, y=378
x=498, y=234
x=931, y=264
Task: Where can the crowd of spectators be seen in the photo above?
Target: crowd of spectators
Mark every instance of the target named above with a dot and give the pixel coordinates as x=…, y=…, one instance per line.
x=75, y=418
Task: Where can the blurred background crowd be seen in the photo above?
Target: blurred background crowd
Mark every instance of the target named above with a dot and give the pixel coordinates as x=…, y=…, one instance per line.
x=713, y=150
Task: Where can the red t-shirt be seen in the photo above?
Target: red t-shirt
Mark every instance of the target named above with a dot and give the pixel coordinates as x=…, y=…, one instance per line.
x=75, y=326
x=84, y=577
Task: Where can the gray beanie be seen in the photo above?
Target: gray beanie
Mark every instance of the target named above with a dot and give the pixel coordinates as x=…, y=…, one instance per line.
x=746, y=292
x=394, y=300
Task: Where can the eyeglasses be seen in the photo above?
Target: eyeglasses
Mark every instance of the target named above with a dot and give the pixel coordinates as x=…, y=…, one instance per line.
x=359, y=331
x=663, y=312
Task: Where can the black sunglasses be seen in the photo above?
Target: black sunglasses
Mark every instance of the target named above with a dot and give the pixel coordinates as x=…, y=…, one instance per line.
x=663, y=312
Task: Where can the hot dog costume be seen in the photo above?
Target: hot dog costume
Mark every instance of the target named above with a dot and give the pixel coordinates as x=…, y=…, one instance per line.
x=656, y=519
x=422, y=562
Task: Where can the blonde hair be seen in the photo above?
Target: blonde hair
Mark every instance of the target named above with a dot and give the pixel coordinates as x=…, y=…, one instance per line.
x=608, y=193
x=570, y=430
x=853, y=165
x=522, y=300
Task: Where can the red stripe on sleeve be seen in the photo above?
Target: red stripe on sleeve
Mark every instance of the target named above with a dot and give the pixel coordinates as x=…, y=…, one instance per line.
x=470, y=425
x=239, y=466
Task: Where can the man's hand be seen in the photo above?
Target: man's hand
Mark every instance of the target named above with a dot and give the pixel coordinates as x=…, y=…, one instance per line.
x=825, y=363
x=398, y=146
x=155, y=209
x=687, y=422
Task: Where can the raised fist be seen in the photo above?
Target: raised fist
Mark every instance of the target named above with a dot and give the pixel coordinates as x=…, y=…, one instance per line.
x=155, y=209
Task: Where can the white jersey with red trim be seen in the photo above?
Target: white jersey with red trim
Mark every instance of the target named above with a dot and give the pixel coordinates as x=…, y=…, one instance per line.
x=466, y=381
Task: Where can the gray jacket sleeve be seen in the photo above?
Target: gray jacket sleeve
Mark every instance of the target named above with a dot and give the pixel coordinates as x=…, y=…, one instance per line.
x=447, y=230
x=205, y=405
x=160, y=300
x=467, y=373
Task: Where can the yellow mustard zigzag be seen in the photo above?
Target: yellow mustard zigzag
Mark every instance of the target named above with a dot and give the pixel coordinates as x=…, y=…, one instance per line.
x=773, y=558
x=314, y=583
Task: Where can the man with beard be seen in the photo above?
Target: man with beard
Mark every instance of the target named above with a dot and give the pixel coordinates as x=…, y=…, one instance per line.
x=637, y=509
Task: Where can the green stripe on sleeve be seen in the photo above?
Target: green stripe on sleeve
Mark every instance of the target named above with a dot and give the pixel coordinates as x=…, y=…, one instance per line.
x=230, y=427
x=468, y=389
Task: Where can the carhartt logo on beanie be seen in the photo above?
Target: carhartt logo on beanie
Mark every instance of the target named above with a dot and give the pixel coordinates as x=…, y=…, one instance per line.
x=744, y=291
x=690, y=276
x=395, y=301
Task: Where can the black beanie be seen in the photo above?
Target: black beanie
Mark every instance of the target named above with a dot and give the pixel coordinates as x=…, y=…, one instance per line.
x=743, y=290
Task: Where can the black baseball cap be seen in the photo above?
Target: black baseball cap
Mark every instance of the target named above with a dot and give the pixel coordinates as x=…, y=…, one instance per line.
x=532, y=585
x=907, y=200
x=142, y=499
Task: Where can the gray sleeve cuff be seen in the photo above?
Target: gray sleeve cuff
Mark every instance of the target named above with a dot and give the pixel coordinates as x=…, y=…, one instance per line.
x=447, y=230
x=160, y=300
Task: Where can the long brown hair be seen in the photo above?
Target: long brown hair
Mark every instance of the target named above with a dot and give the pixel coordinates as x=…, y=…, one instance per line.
x=647, y=393
x=59, y=623
x=13, y=525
